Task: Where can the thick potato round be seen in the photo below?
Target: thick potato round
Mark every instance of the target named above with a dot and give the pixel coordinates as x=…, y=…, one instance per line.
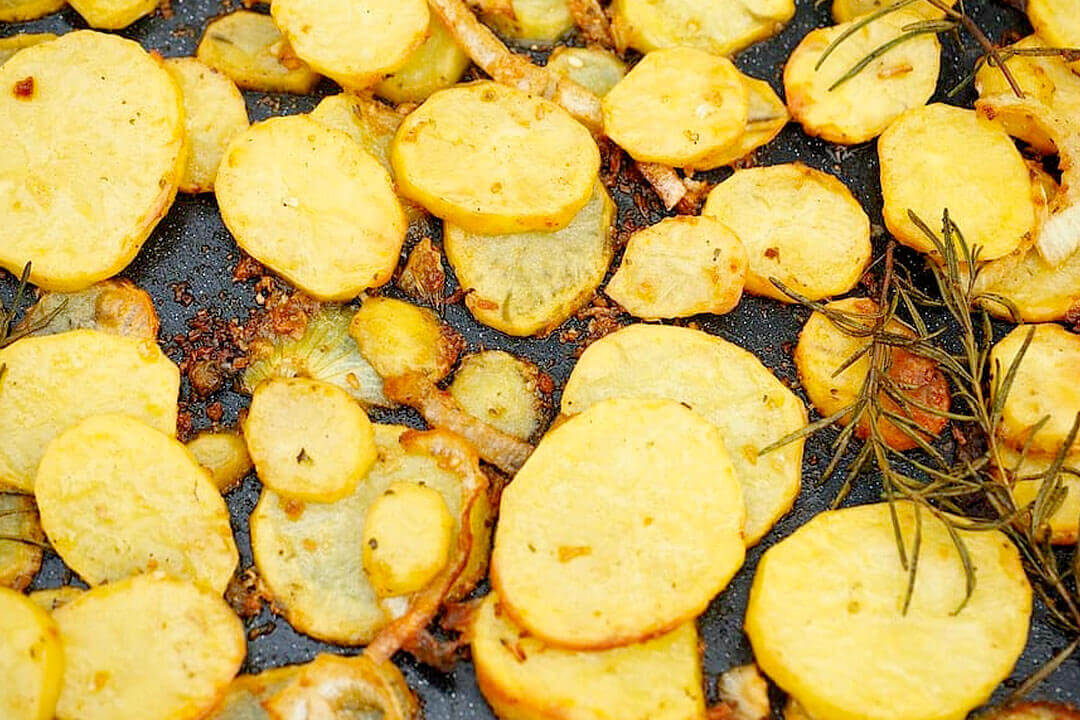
x=310, y=204
x=845, y=10
x=87, y=175
x=398, y=337
x=150, y=647
x=799, y=225
x=113, y=14
x=826, y=619
x=679, y=267
x=1038, y=291
x=118, y=498
x=55, y=381
x=222, y=454
x=492, y=159
x=501, y=390
x=22, y=10
x=1057, y=21
x=595, y=69
x=113, y=306
x=523, y=678
x=214, y=114
x=530, y=21
x=1064, y=524
x=766, y=117
x=308, y=439
x=861, y=108
x=727, y=385
x=407, y=535
x=722, y=27
x=14, y=43
x=677, y=107
x=438, y=63
x=939, y=157
x=366, y=121
x=248, y=48
x=644, y=536
x=353, y=42
x=529, y=283
x=20, y=550
x=246, y=694
x=31, y=659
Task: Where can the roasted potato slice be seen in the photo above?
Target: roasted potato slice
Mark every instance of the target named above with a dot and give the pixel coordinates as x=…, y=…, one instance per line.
x=595, y=69
x=246, y=694
x=721, y=27
x=47, y=388
x=148, y=647
x=308, y=439
x=861, y=108
x=528, y=21
x=20, y=548
x=823, y=253
x=529, y=283
x=1057, y=21
x=438, y=63
x=826, y=617
x=247, y=47
x=13, y=44
x=88, y=176
x=766, y=117
x=501, y=390
x=645, y=536
x=845, y=10
x=398, y=337
x=407, y=534
x=312, y=205
x=23, y=10
x=492, y=159
x=1035, y=711
x=222, y=454
x=1038, y=291
x=523, y=677
x=50, y=600
x=113, y=306
x=113, y=14
x=343, y=687
x=939, y=157
x=679, y=267
x=31, y=659
x=366, y=121
x=118, y=497
x=1064, y=523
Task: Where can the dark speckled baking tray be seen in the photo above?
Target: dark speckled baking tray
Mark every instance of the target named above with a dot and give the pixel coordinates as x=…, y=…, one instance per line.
x=192, y=247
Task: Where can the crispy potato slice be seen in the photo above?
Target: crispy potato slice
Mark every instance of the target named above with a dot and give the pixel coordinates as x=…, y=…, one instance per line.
x=87, y=177
x=727, y=385
x=194, y=642
x=722, y=27
x=595, y=69
x=824, y=253
x=113, y=306
x=247, y=47
x=53, y=382
x=338, y=687
x=939, y=157
x=308, y=439
x=438, y=63
x=679, y=267
x=766, y=117
x=366, y=121
x=846, y=10
x=23, y=10
x=13, y=44
x=1058, y=21
x=353, y=42
x=677, y=107
x=836, y=637
x=861, y=108
x=398, y=337
x=1044, y=386
x=118, y=497
x=1064, y=523
x=312, y=205
x=54, y=598
x=407, y=534
x=222, y=454
x=1038, y=291
x=501, y=390
x=21, y=548
x=524, y=678
x=528, y=21
x=492, y=159
x=529, y=283
x=246, y=694
x=113, y=14
x=646, y=537
x=31, y=659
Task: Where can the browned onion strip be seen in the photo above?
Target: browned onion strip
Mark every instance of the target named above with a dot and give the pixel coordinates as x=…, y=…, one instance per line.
x=336, y=687
x=665, y=181
x=590, y=18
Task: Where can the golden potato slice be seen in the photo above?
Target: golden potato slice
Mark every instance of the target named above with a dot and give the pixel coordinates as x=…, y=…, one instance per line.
x=366, y=121
x=819, y=243
x=644, y=536
x=222, y=454
x=248, y=48
x=50, y=600
x=492, y=159
x=345, y=687
x=353, y=42
x=1038, y=291
x=529, y=21
x=727, y=385
x=20, y=550
x=118, y=497
x=529, y=283
x=939, y=157
x=826, y=618
x=500, y=389
x=407, y=535
x=679, y=267
x=1044, y=386
x=522, y=677
x=13, y=44
x=438, y=63
x=398, y=337
x=310, y=204
x=31, y=659
x=113, y=306
x=595, y=69
x=1036, y=711
x=150, y=647
x=86, y=177
x=1064, y=524
x=246, y=694
x=766, y=117
x=113, y=14
x=308, y=439
x=845, y=10
x=722, y=27
x=1057, y=21
x=861, y=108
x=53, y=382
x=22, y=10
x=677, y=107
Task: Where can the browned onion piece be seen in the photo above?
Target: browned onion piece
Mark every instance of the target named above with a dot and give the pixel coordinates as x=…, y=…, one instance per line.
x=590, y=18
x=665, y=181
x=333, y=688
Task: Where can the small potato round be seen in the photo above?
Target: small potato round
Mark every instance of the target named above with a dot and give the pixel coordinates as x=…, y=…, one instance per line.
x=679, y=267
x=438, y=63
x=308, y=439
x=118, y=498
x=31, y=659
x=501, y=390
x=1056, y=21
x=150, y=647
x=14, y=43
x=939, y=157
x=1038, y=291
x=367, y=121
x=113, y=14
x=767, y=116
x=310, y=204
x=22, y=10
x=595, y=69
x=646, y=537
x=799, y=225
x=492, y=159
x=530, y=21
x=214, y=114
x=398, y=337
x=19, y=561
x=826, y=619
x=862, y=107
x=845, y=10
x=677, y=107
x=721, y=27
x=222, y=454
x=247, y=47
x=353, y=42
x=407, y=535
x=1064, y=524
x=86, y=176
